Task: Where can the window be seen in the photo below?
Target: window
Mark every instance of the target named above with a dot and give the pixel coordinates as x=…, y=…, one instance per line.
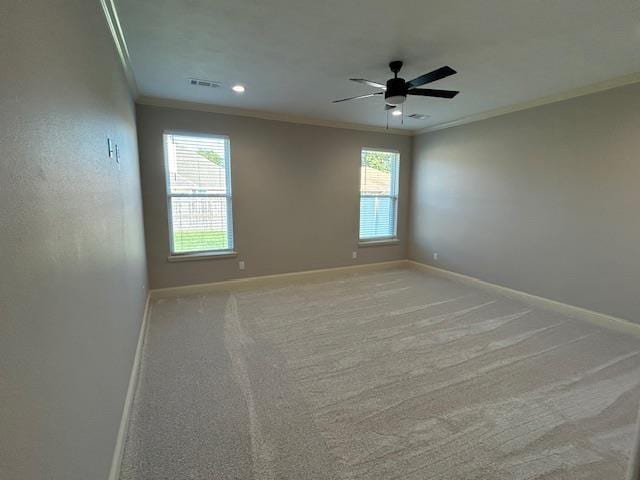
x=378, y=194
x=199, y=193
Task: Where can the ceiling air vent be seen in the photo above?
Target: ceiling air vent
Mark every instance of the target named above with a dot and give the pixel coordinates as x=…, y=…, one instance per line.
x=418, y=116
x=196, y=82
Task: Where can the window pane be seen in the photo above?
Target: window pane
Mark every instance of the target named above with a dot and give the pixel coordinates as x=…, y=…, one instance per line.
x=378, y=172
x=200, y=224
x=199, y=189
x=197, y=164
x=378, y=193
x=377, y=217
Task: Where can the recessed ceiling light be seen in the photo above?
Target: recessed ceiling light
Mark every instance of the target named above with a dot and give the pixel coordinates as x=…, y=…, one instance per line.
x=396, y=113
x=238, y=88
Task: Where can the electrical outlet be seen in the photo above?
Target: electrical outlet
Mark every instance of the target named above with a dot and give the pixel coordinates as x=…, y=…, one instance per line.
x=435, y=255
x=354, y=254
x=241, y=264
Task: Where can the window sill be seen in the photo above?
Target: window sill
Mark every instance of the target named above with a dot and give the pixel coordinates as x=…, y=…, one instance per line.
x=378, y=242
x=188, y=257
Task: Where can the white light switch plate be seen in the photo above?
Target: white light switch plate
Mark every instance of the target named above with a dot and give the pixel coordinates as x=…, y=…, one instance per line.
x=110, y=150
x=241, y=264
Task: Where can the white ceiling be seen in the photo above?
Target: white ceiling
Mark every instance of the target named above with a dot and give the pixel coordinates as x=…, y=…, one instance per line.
x=295, y=56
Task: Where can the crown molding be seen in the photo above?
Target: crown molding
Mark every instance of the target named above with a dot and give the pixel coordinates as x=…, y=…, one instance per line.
x=283, y=117
x=113, y=22
x=559, y=97
x=279, y=117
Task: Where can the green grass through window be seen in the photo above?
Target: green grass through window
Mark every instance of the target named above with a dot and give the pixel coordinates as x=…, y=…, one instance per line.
x=199, y=240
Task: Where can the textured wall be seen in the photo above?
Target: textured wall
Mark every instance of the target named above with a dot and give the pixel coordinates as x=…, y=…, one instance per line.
x=296, y=195
x=72, y=268
x=544, y=200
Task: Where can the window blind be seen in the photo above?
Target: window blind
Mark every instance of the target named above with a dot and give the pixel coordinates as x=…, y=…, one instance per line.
x=378, y=194
x=199, y=193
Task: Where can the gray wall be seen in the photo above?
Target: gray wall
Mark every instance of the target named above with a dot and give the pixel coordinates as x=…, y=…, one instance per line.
x=296, y=195
x=72, y=268
x=545, y=200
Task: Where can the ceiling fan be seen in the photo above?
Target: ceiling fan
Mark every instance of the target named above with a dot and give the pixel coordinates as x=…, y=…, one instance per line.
x=397, y=89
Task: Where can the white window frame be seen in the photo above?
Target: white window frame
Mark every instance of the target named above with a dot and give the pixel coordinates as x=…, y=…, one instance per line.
x=197, y=254
x=393, y=195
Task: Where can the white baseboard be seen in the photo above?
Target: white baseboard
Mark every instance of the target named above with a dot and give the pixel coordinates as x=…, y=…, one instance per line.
x=116, y=462
x=600, y=319
x=205, y=287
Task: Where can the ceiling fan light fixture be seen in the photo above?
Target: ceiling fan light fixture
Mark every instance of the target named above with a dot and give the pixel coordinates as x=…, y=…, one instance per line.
x=395, y=100
x=396, y=113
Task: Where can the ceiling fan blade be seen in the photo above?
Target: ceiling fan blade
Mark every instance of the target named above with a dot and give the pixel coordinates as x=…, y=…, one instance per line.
x=441, y=72
x=359, y=96
x=430, y=92
x=369, y=82
x=389, y=107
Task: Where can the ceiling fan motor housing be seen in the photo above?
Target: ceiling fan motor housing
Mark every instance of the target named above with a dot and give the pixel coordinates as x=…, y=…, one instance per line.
x=396, y=92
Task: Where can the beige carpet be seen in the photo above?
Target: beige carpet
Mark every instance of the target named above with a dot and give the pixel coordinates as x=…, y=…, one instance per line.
x=389, y=374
